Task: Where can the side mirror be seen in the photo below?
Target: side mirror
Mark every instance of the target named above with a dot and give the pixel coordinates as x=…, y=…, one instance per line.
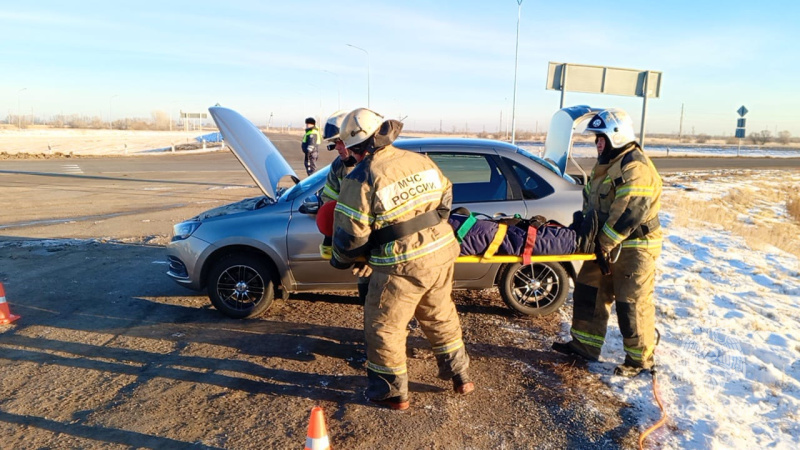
x=310, y=205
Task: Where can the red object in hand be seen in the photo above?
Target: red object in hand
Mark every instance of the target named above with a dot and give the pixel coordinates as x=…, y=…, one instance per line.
x=325, y=218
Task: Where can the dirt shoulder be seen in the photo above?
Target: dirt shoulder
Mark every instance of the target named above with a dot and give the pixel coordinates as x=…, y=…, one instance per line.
x=110, y=353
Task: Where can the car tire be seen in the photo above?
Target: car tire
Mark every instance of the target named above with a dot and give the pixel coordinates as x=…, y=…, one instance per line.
x=240, y=286
x=536, y=289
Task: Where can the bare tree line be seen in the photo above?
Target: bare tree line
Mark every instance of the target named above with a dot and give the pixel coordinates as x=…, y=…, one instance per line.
x=158, y=120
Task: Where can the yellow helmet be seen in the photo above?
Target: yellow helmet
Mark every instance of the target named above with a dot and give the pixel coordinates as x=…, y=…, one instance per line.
x=359, y=125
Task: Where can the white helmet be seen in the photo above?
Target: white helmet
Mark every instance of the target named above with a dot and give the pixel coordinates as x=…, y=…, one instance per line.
x=359, y=125
x=333, y=124
x=616, y=124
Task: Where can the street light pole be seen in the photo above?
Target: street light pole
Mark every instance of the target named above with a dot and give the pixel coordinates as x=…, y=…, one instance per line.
x=516, y=64
x=19, y=116
x=338, y=89
x=359, y=48
x=111, y=119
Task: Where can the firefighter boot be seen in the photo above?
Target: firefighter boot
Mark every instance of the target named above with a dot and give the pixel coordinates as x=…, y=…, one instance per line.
x=569, y=348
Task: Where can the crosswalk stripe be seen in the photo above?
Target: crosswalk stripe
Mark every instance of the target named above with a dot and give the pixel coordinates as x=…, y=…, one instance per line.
x=71, y=168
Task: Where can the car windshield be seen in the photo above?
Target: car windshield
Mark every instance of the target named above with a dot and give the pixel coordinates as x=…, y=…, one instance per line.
x=545, y=163
x=303, y=186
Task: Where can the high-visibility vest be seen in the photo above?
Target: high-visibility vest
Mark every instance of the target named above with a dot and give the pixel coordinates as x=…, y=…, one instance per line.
x=311, y=131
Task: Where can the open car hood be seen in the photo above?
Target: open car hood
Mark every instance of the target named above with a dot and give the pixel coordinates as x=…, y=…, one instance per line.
x=253, y=149
x=558, y=144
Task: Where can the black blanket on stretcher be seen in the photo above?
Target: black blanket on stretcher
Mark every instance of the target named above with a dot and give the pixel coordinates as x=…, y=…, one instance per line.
x=518, y=237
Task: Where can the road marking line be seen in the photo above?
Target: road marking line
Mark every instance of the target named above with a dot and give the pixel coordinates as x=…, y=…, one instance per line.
x=71, y=168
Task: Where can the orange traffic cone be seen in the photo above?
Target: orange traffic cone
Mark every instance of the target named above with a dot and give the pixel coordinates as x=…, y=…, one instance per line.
x=317, y=438
x=5, y=314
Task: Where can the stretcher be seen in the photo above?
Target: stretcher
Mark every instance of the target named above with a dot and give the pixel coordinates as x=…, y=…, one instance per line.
x=504, y=259
x=518, y=259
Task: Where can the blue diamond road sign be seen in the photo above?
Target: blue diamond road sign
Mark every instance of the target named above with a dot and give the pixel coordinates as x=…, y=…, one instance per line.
x=742, y=111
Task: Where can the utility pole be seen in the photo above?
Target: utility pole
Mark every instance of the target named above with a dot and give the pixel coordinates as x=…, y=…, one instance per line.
x=680, y=129
x=19, y=112
x=500, y=125
x=516, y=64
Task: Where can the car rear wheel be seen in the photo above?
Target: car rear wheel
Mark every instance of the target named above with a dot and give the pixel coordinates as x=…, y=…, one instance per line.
x=240, y=286
x=535, y=289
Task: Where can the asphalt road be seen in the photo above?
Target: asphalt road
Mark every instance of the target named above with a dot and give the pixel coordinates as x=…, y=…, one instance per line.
x=186, y=166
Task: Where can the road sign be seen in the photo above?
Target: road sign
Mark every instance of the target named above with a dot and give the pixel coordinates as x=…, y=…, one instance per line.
x=186, y=115
x=740, y=122
x=742, y=111
x=605, y=80
x=740, y=133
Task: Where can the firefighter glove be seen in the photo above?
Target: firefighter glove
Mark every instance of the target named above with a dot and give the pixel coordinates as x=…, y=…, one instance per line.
x=586, y=233
x=362, y=270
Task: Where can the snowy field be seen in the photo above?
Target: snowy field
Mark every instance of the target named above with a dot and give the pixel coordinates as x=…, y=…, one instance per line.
x=728, y=309
x=583, y=150
x=120, y=142
x=91, y=142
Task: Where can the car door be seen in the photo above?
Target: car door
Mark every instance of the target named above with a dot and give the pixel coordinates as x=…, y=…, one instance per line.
x=302, y=246
x=481, y=185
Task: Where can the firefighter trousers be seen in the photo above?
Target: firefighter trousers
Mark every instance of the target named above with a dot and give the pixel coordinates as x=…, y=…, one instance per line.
x=392, y=301
x=631, y=287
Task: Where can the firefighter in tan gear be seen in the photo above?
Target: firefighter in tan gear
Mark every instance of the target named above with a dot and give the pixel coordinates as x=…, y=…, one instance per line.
x=623, y=197
x=392, y=210
x=340, y=167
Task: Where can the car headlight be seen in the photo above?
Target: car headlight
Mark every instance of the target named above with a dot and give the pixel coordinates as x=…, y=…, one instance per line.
x=184, y=229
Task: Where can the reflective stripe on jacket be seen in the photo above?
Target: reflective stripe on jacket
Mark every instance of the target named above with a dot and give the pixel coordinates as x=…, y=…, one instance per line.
x=311, y=139
x=626, y=193
x=334, y=181
x=393, y=186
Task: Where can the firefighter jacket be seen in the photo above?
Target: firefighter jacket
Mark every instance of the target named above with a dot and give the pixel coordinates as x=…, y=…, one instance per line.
x=392, y=209
x=626, y=193
x=311, y=140
x=339, y=170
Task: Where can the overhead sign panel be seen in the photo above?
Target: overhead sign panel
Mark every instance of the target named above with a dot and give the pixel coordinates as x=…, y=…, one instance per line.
x=186, y=115
x=603, y=80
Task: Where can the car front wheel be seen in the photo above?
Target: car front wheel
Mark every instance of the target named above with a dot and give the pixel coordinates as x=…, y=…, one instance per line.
x=535, y=289
x=240, y=286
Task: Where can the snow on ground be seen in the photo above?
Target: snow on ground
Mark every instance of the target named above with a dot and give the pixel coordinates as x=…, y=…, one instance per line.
x=586, y=150
x=729, y=316
x=92, y=142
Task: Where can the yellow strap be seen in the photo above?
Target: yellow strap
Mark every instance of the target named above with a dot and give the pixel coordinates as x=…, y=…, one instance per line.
x=496, y=241
x=518, y=259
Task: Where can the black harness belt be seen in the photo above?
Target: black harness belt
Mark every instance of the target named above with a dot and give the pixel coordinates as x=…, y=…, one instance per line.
x=646, y=228
x=402, y=229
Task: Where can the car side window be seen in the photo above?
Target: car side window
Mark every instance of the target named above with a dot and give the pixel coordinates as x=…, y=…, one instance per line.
x=475, y=178
x=533, y=186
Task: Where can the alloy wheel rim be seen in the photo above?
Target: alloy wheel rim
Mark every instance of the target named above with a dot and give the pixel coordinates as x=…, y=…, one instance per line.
x=535, y=285
x=240, y=287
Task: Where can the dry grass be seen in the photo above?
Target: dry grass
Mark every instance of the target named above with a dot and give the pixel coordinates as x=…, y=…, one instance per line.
x=747, y=212
x=793, y=206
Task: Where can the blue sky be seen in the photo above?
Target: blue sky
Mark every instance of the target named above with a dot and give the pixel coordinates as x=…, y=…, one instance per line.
x=432, y=61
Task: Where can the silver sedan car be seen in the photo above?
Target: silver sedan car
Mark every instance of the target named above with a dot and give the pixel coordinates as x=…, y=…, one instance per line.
x=247, y=253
